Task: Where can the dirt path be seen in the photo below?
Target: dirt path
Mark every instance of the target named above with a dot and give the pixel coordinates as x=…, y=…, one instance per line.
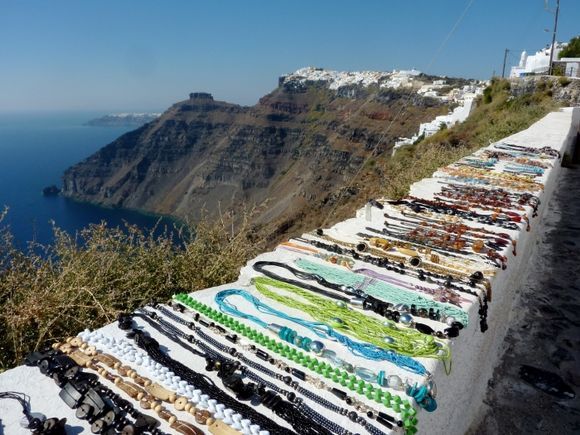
x=545, y=331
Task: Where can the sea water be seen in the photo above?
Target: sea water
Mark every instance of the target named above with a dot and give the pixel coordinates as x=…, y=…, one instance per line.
x=35, y=149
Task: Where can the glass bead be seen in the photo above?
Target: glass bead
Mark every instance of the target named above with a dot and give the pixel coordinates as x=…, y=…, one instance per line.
x=389, y=340
x=365, y=374
x=316, y=347
x=395, y=382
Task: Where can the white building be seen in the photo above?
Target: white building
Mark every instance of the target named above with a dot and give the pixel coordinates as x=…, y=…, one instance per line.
x=571, y=66
x=538, y=63
x=465, y=97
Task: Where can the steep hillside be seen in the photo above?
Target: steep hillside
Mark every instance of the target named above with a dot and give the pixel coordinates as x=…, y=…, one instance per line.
x=292, y=151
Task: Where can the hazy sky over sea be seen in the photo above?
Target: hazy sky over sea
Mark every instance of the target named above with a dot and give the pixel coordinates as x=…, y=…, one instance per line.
x=146, y=55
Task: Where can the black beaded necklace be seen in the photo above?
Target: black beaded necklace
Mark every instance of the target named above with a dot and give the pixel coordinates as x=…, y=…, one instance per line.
x=230, y=379
x=359, y=298
x=417, y=205
x=227, y=370
x=36, y=422
x=94, y=402
x=235, y=353
x=382, y=417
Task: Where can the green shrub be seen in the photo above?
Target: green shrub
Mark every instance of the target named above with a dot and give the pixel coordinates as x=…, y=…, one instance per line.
x=487, y=95
x=572, y=49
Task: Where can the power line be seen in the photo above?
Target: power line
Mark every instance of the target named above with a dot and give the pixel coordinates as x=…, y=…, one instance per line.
x=403, y=108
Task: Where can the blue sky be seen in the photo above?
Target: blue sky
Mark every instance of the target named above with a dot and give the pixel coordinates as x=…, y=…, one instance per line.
x=145, y=55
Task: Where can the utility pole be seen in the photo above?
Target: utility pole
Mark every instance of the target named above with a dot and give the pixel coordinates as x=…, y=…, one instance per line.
x=554, y=36
x=505, y=55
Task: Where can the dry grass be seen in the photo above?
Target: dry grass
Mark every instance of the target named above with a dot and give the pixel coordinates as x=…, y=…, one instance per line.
x=50, y=292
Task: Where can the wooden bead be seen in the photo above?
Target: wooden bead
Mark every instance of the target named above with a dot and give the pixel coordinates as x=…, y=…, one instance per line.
x=180, y=403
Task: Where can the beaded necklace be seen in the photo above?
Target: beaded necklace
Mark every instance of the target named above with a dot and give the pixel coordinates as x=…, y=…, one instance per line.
x=345, y=373
x=427, y=272
x=365, y=350
x=517, y=157
x=127, y=380
x=351, y=322
x=295, y=411
x=451, y=295
x=523, y=168
x=157, y=353
x=382, y=290
x=78, y=386
x=447, y=247
x=241, y=345
x=183, y=395
x=544, y=151
x=250, y=369
x=441, y=293
x=359, y=299
x=331, y=258
x=521, y=182
x=501, y=239
x=401, y=259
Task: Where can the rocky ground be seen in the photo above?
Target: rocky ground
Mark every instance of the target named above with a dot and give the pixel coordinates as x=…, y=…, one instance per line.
x=544, y=332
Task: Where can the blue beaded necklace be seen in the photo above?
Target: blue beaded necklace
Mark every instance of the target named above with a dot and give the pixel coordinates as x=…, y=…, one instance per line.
x=365, y=350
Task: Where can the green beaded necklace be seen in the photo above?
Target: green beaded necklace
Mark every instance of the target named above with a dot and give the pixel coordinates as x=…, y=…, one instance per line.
x=382, y=333
x=354, y=383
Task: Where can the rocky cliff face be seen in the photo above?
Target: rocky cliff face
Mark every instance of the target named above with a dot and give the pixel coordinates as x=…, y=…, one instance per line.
x=293, y=151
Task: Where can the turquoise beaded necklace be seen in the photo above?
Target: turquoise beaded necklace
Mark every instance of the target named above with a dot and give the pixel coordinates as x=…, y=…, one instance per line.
x=382, y=290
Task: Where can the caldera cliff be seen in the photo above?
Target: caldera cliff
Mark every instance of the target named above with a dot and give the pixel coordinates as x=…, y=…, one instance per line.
x=290, y=154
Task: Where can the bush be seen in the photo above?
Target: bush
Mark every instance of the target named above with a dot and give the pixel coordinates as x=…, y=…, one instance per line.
x=50, y=292
x=572, y=49
x=564, y=81
x=487, y=95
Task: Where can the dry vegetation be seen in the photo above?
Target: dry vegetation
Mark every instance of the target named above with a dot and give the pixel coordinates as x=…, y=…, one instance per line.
x=48, y=292
x=498, y=115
